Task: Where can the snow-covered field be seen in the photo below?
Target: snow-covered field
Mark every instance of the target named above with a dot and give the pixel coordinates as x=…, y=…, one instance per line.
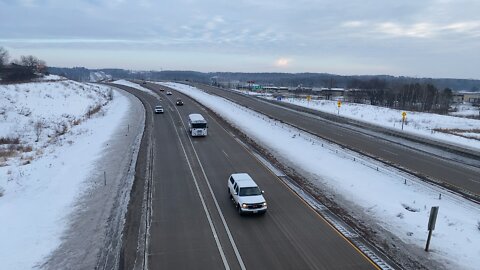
x=423, y=124
x=52, y=133
x=386, y=198
x=466, y=109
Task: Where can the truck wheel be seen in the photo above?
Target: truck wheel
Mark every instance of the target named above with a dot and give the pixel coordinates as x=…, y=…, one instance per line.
x=240, y=212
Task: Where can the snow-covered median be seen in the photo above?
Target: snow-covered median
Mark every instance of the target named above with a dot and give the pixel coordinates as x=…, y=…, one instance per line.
x=52, y=134
x=380, y=197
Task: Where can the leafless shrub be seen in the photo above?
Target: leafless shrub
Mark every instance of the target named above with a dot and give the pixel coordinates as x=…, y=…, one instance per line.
x=76, y=122
x=25, y=111
x=26, y=162
x=110, y=94
x=2, y=191
x=38, y=127
x=478, y=225
x=3, y=110
x=93, y=110
x=8, y=140
x=61, y=129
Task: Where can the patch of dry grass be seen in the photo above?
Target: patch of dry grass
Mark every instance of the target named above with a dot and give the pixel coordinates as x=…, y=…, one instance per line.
x=8, y=140
x=93, y=110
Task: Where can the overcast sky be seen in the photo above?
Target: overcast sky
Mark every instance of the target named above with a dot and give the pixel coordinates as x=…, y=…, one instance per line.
x=423, y=38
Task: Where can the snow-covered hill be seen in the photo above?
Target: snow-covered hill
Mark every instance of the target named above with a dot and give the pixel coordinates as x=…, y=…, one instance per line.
x=53, y=135
x=99, y=76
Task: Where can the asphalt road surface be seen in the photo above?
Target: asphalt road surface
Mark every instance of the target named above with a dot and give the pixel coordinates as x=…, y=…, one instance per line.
x=455, y=175
x=194, y=224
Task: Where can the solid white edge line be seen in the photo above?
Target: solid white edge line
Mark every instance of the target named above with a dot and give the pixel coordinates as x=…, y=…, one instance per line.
x=212, y=227
x=230, y=237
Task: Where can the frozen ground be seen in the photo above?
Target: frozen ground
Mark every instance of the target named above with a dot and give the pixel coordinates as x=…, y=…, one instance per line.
x=457, y=130
x=55, y=135
x=384, y=199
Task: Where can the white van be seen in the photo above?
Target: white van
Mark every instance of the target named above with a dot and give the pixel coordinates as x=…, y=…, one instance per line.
x=245, y=194
x=197, y=125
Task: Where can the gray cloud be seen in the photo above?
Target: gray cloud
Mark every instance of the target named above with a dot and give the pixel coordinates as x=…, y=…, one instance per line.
x=372, y=36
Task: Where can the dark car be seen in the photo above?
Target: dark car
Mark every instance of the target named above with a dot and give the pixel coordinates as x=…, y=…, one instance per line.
x=179, y=102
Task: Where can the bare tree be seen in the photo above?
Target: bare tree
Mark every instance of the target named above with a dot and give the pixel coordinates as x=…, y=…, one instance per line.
x=3, y=56
x=33, y=62
x=38, y=129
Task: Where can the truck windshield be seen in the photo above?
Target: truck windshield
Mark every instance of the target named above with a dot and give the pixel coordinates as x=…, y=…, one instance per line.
x=250, y=191
x=199, y=125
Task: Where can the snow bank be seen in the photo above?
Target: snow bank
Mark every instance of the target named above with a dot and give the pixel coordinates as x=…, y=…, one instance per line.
x=51, y=77
x=396, y=202
x=138, y=87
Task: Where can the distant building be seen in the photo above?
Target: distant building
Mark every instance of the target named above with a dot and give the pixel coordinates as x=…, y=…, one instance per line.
x=329, y=93
x=463, y=96
x=217, y=81
x=357, y=96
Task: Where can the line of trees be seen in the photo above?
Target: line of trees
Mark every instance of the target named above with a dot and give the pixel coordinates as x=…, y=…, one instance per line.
x=411, y=96
x=25, y=68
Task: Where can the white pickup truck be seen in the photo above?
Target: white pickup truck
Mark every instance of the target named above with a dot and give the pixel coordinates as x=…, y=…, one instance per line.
x=245, y=194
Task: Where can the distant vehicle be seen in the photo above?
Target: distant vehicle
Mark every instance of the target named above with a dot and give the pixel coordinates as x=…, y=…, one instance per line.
x=169, y=93
x=245, y=194
x=179, y=102
x=158, y=109
x=197, y=125
x=161, y=89
x=144, y=82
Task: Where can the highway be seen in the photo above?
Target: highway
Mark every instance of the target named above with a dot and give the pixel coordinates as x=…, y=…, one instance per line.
x=194, y=224
x=451, y=174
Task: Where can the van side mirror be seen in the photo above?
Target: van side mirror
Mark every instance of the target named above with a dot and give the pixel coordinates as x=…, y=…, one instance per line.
x=234, y=193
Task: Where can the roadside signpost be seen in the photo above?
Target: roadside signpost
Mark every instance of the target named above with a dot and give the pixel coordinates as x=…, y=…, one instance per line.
x=431, y=224
x=339, y=104
x=309, y=98
x=404, y=116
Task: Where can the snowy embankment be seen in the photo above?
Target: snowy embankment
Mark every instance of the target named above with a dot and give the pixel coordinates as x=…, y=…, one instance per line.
x=138, y=87
x=379, y=196
x=450, y=129
x=52, y=135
